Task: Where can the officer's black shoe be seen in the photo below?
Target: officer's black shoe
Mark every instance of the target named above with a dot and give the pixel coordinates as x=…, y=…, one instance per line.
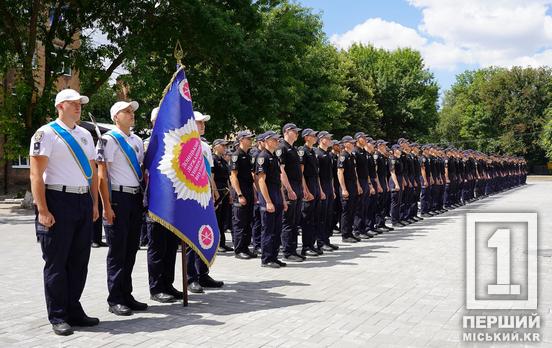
x=270, y=265
x=280, y=263
x=349, y=240
x=101, y=244
x=427, y=215
x=221, y=249
x=207, y=282
x=380, y=230
x=257, y=251
x=243, y=256
x=62, y=329
x=419, y=218
x=120, y=309
x=195, y=288
x=389, y=228
x=318, y=250
x=163, y=297
x=333, y=246
x=136, y=306
x=251, y=254
x=360, y=236
x=84, y=321
x=309, y=252
x=371, y=234
x=228, y=248
x=294, y=258
x=326, y=248
x=179, y=295
x=411, y=220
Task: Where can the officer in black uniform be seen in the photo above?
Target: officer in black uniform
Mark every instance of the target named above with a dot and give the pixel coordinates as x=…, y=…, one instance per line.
x=243, y=196
x=361, y=159
x=384, y=198
x=396, y=184
x=292, y=180
x=350, y=188
x=450, y=176
x=374, y=189
x=408, y=174
x=313, y=195
x=256, y=223
x=336, y=150
x=426, y=181
x=66, y=206
x=325, y=164
x=221, y=175
x=414, y=153
x=271, y=200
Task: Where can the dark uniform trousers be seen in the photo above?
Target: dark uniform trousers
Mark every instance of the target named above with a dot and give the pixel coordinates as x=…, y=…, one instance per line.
x=66, y=251
x=271, y=225
x=396, y=200
x=256, y=226
x=242, y=218
x=162, y=249
x=196, y=267
x=435, y=196
x=359, y=224
x=325, y=222
x=415, y=198
x=449, y=194
x=223, y=212
x=97, y=227
x=425, y=198
x=406, y=201
x=311, y=215
x=348, y=209
x=123, y=238
x=291, y=220
x=384, y=200
x=371, y=207
x=337, y=208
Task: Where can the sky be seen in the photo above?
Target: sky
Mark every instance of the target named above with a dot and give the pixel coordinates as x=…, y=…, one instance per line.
x=452, y=35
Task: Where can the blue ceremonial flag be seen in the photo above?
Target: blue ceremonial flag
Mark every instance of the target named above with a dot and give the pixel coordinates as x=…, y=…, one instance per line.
x=179, y=191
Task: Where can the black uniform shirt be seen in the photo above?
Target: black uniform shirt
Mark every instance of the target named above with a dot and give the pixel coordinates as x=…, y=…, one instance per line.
x=289, y=158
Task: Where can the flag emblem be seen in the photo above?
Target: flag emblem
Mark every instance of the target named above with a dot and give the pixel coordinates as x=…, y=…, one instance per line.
x=184, y=89
x=183, y=164
x=206, y=237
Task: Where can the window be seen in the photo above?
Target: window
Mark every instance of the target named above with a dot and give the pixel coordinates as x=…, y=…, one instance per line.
x=21, y=162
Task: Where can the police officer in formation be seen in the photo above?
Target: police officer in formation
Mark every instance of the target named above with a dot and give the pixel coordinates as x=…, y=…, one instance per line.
x=64, y=185
x=263, y=194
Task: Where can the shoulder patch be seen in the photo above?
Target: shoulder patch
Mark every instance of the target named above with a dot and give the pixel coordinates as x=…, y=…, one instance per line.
x=301, y=153
x=260, y=161
x=393, y=161
x=279, y=152
x=84, y=141
x=423, y=159
x=234, y=158
x=252, y=160
x=376, y=157
x=342, y=158
x=38, y=136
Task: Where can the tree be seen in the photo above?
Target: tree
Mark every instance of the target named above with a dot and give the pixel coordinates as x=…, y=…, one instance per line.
x=498, y=110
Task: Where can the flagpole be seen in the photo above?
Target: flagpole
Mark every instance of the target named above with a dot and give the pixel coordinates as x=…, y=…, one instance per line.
x=179, y=54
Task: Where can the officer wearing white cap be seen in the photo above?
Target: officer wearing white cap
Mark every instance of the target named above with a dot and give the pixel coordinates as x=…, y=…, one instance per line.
x=198, y=272
x=162, y=249
x=64, y=185
x=121, y=177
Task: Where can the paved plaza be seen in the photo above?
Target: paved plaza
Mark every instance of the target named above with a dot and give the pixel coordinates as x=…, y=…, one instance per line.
x=401, y=289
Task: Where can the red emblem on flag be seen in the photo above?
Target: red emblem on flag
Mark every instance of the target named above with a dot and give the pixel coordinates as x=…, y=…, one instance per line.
x=206, y=237
x=184, y=89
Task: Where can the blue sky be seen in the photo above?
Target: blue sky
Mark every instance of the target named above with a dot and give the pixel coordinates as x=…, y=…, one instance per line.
x=452, y=35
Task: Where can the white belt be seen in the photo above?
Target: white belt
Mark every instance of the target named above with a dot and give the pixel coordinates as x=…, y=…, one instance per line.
x=69, y=189
x=127, y=189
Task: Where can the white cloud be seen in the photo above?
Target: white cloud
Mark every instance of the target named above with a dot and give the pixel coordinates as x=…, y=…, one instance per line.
x=380, y=33
x=479, y=32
